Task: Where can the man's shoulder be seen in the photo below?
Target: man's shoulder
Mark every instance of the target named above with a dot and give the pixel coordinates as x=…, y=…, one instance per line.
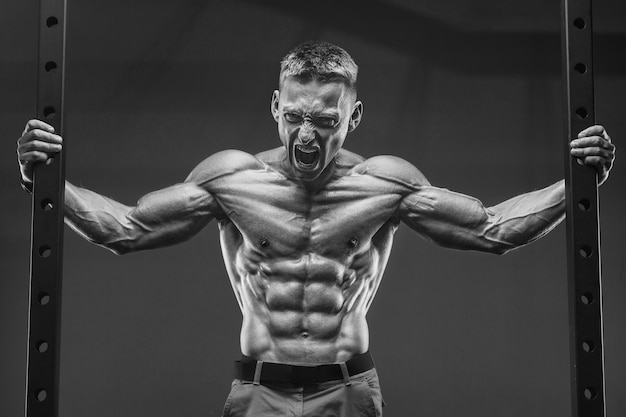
x=271, y=157
x=391, y=168
x=223, y=163
x=347, y=159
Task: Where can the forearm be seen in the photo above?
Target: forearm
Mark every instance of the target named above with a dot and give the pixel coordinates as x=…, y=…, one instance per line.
x=525, y=218
x=159, y=219
x=99, y=219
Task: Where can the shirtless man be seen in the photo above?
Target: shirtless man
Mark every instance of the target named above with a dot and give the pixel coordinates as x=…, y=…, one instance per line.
x=306, y=230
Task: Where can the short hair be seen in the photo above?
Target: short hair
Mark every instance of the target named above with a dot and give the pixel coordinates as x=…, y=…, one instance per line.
x=320, y=61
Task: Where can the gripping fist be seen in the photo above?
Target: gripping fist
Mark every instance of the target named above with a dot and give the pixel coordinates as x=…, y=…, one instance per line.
x=37, y=144
x=593, y=147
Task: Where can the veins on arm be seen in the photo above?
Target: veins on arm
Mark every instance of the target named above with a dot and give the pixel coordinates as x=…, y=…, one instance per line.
x=459, y=221
x=462, y=222
x=160, y=218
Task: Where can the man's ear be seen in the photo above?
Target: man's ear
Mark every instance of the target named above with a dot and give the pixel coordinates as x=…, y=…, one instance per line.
x=274, y=105
x=355, y=117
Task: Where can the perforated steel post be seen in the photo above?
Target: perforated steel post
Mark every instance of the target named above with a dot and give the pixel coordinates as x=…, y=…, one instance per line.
x=583, y=238
x=44, y=321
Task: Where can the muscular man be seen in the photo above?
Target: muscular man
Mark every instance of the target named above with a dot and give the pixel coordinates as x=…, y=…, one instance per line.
x=306, y=230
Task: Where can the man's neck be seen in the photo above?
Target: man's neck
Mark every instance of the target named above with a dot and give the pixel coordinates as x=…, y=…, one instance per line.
x=330, y=172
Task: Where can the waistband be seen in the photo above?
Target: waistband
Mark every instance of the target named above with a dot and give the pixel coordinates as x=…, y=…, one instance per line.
x=247, y=369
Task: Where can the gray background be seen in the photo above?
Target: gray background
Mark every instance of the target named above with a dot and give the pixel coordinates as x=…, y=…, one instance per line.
x=467, y=90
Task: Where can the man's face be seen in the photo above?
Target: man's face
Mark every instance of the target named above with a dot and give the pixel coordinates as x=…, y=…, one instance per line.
x=313, y=121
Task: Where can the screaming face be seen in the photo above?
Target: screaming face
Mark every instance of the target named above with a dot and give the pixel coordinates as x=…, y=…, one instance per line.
x=313, y=121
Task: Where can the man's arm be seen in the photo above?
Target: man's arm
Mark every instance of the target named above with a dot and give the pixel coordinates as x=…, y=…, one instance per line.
x=462, y=222
x=161, y=218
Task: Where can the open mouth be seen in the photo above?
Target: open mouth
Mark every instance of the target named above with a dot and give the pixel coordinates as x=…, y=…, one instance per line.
x=306, y=157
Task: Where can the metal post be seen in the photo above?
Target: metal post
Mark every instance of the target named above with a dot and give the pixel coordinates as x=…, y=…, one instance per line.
x=583, y=239
x=44, y=321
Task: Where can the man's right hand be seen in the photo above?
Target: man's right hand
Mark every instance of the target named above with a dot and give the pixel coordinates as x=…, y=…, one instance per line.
x=37, y=144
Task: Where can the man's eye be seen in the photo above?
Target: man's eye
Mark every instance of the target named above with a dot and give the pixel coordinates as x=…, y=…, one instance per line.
x=293, y=118
x=326, y=122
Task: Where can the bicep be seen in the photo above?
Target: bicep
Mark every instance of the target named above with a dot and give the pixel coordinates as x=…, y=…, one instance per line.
x=447, y=218
x=170, y=215
x=442, y=216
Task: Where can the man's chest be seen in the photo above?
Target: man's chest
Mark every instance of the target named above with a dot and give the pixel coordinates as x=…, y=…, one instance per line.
x=275, y=214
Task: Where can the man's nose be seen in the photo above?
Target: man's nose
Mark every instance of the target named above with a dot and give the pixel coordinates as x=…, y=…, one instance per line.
x=306, y=133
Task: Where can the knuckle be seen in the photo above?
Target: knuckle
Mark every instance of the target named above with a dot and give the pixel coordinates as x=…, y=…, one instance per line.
x=36, y=134
x=41, y=156
x=32, y=145
x=31, y=125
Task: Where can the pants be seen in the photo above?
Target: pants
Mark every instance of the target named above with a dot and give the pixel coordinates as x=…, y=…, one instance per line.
x=359, y=395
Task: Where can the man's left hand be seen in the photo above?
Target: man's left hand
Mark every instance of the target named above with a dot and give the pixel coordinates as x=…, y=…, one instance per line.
x=593, y=147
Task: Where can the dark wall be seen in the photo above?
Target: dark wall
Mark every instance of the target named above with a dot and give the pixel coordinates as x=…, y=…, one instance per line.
x=152, y=90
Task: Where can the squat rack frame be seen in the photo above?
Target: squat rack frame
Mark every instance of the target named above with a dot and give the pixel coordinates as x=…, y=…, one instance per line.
x=583, y=243
x=582, y=221
x=46, y=259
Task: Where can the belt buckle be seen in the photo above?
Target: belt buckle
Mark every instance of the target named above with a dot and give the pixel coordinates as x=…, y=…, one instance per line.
x=304, y=374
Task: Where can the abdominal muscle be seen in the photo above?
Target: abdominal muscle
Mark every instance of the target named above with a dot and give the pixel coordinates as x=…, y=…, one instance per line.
x=309, y=310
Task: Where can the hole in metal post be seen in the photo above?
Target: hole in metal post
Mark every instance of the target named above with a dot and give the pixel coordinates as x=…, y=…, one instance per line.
x=584, y=204
x=45, y=251
x=50, y=66
x=42, y=346
x=590, y=393
x=582, y=113
x=47, y=205
x=587, y=298
x=43, y=299
x=580, y=68
x=585, y=251
x=41, y=395
x=580, y=23
x=588, y=346
x=52, y=21
x=49, y=112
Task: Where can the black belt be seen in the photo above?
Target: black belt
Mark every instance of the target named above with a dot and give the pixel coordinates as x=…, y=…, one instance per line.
x=279, y=372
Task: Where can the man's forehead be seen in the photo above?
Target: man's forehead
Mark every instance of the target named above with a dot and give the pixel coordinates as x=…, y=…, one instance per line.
x=328, y=93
